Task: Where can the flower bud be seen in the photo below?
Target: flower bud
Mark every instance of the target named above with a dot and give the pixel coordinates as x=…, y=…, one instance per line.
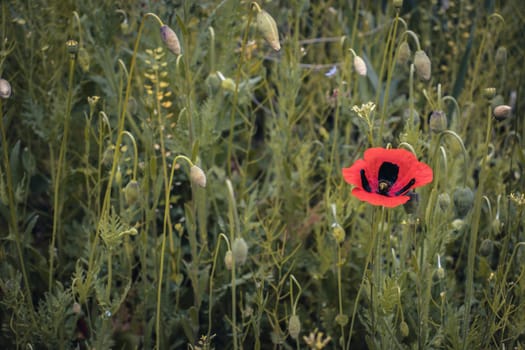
x=502, y=112
x=443, y=201
x=422, y=64
x=228, y=84
x=170, y=39
x=486, y=247
x=501, y=56
x=437, y=121
x=294, y=326
x=131, y=192
x=118, y=176
x=403, y=53
x=360, y=66
x=5, y=89
x=228, y=260
x=403, y=328
x=197, y=176
x=439, y=274
x=240, y=251
x=338, y=232
x=268, y=28
x=463, y=201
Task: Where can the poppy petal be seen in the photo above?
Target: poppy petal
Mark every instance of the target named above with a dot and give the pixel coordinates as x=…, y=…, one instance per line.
x=378, y=199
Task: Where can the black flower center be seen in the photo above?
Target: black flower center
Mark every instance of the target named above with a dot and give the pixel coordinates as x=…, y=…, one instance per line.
x=387, y=177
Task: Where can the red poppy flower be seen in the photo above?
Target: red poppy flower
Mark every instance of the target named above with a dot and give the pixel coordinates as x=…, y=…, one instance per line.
x=384, y=176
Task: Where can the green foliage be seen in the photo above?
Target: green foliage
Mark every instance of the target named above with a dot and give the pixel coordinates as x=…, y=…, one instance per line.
x=107, y=240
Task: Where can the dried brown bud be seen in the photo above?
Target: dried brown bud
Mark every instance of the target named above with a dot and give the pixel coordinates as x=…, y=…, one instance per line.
x=422, y=64
x=170, y=39
x=268, y=28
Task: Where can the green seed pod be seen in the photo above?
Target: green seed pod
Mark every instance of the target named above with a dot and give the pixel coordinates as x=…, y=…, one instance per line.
x=437, y=121
x=5, y=89
x=502, y=112
x=294, y=326
x=170, y=38
x=268, y=28
x=341, y=319
x=240, y=251
x=403, y=53
x=422, y=64
x=463, y=201
x=72, y=46
x=489, y=92
x=132, y=192
x=398, y=4
x=197, y=176
x=486, y=247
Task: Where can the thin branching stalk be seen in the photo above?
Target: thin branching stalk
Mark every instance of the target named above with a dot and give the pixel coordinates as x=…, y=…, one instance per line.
x=61, y=166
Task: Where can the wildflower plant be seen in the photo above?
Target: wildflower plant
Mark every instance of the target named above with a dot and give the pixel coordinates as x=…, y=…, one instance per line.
x=261, y=175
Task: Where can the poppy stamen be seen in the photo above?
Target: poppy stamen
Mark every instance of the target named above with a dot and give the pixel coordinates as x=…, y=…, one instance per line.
x=406, y=187
x=383, y=187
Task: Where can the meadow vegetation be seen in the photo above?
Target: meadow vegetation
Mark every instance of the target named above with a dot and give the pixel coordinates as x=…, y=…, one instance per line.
x=171, y=174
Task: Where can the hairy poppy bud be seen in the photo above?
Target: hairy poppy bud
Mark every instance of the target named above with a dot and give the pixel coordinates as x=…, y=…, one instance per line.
x=170, y=39
x=197, y=176
x=403, y=53
x=501, y=56
x=486, y=247
x=403, y=328
x=501, y=112
x=437, y=121
x=422, y=64
x=443, y=201
x=463, y=200
x=5, y=88
x=240, y=251
x=228, y=260
x=294, y=326
x=268, y=28
x=359, y=66
x=131, y=192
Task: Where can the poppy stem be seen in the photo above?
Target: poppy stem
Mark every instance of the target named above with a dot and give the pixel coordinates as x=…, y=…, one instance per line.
x=469, y=292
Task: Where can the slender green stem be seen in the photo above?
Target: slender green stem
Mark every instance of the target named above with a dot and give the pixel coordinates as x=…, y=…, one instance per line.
x=390, y=66
x=57, y=198
x=14, y=216
x=339, y=291
x=234, y=227
x=476, y=216
x=361, y=285
x=135, y=154
x=212, y=273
